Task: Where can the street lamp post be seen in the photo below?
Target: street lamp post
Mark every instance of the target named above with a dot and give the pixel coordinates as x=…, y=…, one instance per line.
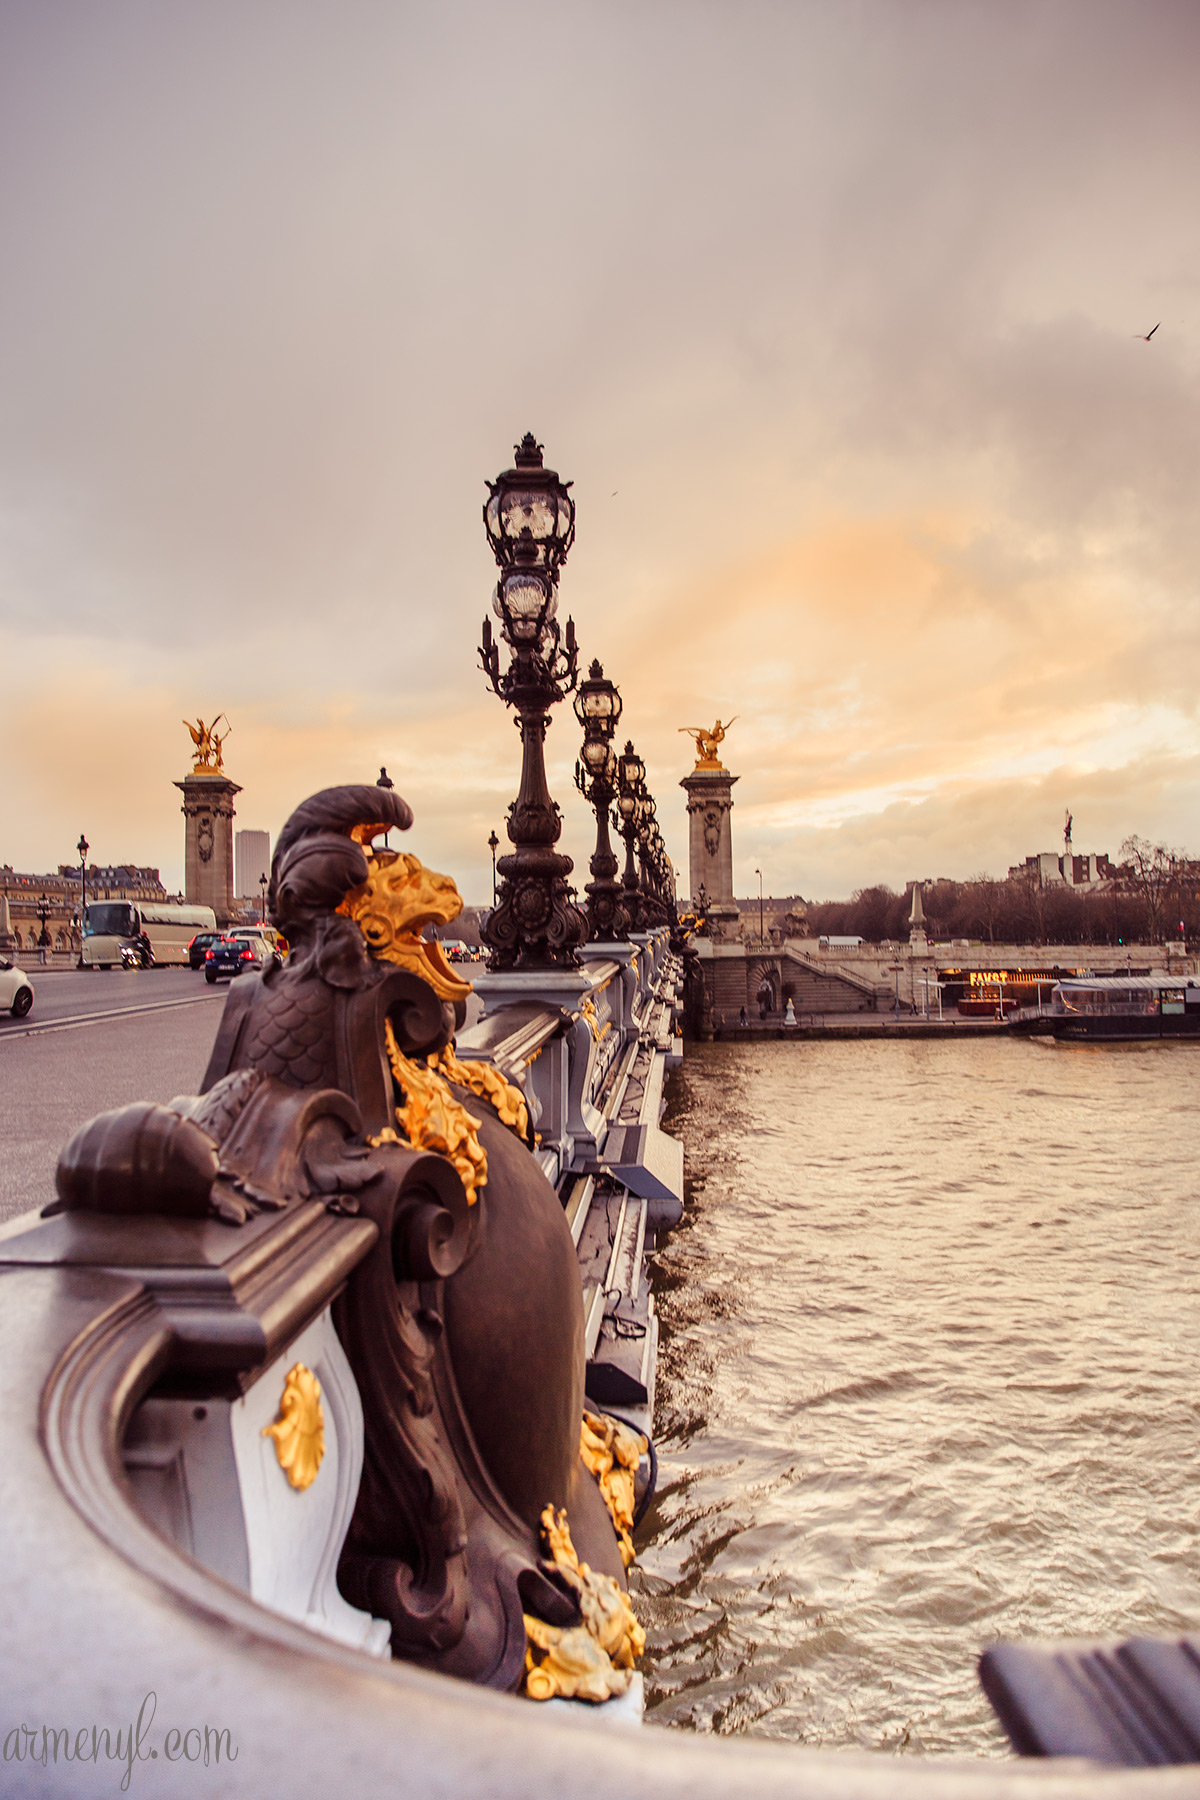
x=262, y=889
x=761, y=934
x=493, y=846
x=43, y=913
x=385, y=781
x=83, y=847
x=631, y=787
x=598, y=709
x=529, y=517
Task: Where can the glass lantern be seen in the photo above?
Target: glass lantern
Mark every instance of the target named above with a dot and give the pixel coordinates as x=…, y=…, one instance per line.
x=529, y=498
x=597, y=704
x=633, y=769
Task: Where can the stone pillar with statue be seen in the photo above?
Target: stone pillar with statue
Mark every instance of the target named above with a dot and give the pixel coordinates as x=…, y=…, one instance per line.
x=208, y=812
x=710, y=861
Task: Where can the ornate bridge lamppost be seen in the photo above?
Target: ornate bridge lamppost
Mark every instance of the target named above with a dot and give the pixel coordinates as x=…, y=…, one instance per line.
x=530, y=521
x=598, y=709
x=651, y=855
x=631, y=792
x=83, y=847
x=661, y=878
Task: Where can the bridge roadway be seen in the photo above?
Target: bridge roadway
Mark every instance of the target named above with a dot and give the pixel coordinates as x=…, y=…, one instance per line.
x=93, y=1041
x=96, y=1040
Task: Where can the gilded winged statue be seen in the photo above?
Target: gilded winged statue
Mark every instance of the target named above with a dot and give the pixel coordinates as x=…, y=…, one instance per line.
x=208, y=741
x=708, y=741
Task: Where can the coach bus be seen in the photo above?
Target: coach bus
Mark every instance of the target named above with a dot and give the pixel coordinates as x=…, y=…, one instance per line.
x=108, y=925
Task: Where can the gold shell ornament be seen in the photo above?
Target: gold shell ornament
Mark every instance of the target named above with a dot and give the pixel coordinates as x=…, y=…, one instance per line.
x=299, y=1431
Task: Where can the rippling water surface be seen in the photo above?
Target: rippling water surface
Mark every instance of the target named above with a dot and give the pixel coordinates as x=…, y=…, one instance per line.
x=928, y=1378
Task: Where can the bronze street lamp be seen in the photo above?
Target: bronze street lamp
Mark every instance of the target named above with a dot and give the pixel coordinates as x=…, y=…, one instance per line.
x=657, y=902
x=493, y=846
x=598, y=709
x=631, y=778
x=529, y=517
x=385, y=781
x=43, y=913
x=262, y=889
x=83, y=847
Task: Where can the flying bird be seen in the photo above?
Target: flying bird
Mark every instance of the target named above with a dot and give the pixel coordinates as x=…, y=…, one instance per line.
x=1146, y=339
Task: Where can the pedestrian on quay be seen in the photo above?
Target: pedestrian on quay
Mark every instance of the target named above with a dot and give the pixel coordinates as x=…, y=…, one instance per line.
x=742, y=1018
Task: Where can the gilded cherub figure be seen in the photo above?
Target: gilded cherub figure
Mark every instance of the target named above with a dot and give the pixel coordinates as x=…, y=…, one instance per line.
x=708, y=741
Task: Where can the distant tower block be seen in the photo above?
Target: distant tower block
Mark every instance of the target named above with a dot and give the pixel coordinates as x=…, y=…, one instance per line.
x=208, y=813
x=710, y=842
x=251, y=859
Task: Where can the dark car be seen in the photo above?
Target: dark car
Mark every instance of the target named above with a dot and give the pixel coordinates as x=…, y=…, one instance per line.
x=203, y=940
x=230, y=956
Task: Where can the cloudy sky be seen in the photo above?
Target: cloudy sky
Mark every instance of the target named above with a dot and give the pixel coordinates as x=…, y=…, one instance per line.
x=830, y=311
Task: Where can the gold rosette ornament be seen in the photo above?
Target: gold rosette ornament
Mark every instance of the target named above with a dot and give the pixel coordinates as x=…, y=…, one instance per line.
x=299, y=1431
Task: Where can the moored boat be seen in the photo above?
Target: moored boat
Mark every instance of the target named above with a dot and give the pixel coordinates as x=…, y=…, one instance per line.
x=1117, y=1008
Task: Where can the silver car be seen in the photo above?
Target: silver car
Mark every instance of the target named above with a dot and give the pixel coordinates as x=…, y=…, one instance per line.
x=16, y=990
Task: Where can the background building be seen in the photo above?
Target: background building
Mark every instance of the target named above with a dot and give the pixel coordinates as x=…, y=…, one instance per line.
x=1048, y=867
x=58, y=895
x=251, y=861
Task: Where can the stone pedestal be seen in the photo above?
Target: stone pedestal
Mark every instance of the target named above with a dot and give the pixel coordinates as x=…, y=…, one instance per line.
x=710, y=842
x=208, y=840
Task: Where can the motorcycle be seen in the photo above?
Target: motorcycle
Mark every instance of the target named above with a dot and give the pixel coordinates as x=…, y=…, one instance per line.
x=136, y=956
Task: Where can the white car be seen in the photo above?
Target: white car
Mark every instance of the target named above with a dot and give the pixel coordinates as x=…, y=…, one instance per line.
x=16, y=990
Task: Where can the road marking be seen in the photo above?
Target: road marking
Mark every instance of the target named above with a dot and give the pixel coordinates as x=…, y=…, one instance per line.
x=124, y=1012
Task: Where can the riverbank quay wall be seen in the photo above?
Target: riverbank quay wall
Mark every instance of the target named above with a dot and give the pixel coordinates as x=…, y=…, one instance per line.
x=843, y=980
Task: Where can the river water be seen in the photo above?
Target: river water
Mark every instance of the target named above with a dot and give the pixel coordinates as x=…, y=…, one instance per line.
x=929, y=1377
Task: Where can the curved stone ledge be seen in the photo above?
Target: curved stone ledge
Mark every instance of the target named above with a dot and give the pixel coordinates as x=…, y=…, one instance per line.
x=102, y=1612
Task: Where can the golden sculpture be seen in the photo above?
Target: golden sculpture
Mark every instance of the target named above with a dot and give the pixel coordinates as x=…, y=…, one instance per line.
x=432, y=1119
x=588, y=1009
x=399, y=898
x=299, y=1431
x=612, y=1452
x=566, y=1662
x=707, y=742
x=486, y=1080
x=594, y=1660
x=208, y=741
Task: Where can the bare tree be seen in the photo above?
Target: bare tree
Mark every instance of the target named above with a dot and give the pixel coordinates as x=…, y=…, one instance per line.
x=984, y=902
x=1151, y=872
